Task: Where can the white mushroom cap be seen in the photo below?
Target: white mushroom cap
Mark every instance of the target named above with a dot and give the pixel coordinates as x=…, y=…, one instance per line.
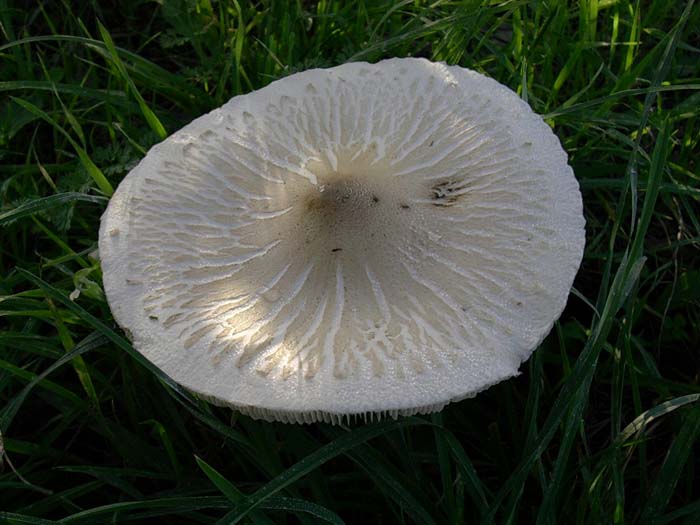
x=368, y=239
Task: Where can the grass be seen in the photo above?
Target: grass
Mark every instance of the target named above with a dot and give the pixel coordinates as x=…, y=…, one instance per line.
x=601, y=427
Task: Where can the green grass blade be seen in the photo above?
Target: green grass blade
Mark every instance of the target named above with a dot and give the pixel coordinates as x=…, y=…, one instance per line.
x=315, y=460
x=673, y=467
x=446, y=476
x=148, y=114
x=10, y=410
x=109, y=96
x=572, y=425
x=11, y=518
x=298, y=506
x=85, y=159
x=41, y=204
x=690, y=511
x=163, y=506
x=161, y=79
x=227, y=488
x=390, y=483
x=658, y=162
x=474, y=485
x=182, y=396
x=643, y=420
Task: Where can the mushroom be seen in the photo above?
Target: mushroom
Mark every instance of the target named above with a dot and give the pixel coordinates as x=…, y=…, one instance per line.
x=366, y=240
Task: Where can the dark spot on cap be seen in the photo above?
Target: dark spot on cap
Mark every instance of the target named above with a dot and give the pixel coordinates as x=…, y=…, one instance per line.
x=404, y=206
x=375, y=199
x=337, y=250
x=448, y=192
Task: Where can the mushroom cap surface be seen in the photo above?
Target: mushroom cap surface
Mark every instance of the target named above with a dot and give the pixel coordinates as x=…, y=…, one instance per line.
x=376, y=239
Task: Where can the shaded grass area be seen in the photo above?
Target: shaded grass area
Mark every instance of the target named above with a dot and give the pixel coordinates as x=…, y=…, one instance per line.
x=601, y=427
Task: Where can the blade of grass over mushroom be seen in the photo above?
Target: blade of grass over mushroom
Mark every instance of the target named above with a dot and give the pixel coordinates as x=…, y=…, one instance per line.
x=85, y=160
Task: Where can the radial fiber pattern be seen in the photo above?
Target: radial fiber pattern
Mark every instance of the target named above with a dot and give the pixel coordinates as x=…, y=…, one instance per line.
x=368, y=238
